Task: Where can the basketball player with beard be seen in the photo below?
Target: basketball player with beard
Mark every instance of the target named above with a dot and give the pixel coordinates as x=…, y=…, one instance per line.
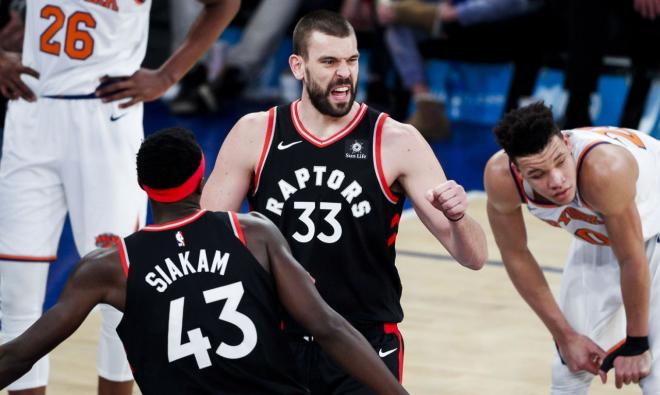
x=333, y=174
x=202, y=295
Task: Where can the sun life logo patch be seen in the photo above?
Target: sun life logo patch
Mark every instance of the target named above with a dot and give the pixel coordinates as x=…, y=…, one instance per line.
x=355, y=149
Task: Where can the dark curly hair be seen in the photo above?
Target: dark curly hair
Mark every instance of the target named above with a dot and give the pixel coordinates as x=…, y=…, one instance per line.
x=167, y=158
x=526, y=130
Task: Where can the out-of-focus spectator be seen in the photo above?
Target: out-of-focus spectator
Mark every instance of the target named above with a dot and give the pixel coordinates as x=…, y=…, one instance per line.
x=370, y=34
x=460, y=29
x=243, y=62
x=596, y=28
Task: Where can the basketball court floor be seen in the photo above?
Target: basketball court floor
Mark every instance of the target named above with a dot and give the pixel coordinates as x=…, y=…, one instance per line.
x=465, y=332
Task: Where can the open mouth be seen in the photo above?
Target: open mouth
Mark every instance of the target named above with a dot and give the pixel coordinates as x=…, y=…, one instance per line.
x=341, y=93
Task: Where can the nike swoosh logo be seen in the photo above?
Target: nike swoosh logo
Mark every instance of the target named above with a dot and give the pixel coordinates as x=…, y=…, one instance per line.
x=113, y=118
x=386, y=353
x=281, y=146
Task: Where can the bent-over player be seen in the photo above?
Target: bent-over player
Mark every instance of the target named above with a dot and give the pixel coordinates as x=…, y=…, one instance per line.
x=601, y=184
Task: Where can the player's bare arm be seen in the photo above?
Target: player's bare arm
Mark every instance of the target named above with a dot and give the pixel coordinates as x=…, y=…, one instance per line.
x=147, y=85
x=11, y=35
x=11, y=85
x=410, y=166
x=608, y=184
x=232, y=176
x=504, y=209
x=98, y=278
x=299, y=297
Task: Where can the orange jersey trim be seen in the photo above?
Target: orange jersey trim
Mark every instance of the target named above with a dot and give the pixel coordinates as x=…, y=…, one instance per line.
x=27, y=258
x=616, y=346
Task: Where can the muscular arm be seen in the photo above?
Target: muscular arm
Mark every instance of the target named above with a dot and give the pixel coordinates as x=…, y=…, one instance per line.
x=98, y=278
x=616, y=202
x=230, y=180
x=300, y=298
x=506, y=221
x=148, y=85
x=409, y=162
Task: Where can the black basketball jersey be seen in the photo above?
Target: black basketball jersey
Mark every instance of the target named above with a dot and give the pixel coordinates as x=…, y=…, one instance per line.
x=201, y=314
x=332, y=203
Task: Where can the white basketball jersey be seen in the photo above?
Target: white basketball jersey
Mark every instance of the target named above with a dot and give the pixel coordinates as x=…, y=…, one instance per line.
x=73, y=43
x=576, y=217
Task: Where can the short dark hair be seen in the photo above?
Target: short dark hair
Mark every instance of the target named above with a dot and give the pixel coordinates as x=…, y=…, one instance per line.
x=326, y=22
x=167, y=158
x=526, y=130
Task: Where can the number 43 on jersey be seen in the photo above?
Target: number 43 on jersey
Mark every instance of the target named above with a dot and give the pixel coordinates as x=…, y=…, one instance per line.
x=198, y=344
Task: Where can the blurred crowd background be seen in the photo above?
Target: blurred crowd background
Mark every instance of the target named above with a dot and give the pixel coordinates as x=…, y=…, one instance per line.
x=432, y=63
x=451, y=68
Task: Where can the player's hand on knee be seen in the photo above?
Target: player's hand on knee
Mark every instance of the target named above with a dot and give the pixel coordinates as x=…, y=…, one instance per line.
x=580, y=353
x=11, y=85
x=143, y=86
x=450, y=198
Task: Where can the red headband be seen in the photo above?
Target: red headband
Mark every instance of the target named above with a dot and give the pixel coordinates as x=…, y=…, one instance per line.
x=175, y=194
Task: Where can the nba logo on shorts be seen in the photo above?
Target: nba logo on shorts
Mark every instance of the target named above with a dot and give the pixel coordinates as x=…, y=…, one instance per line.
x=179, y=239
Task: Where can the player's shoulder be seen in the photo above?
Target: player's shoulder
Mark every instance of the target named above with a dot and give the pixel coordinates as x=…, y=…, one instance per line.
x=262, y=235
x=499, y=165
x=254, y=218
x=102, y=254
x=100, y=263
x=257, y=225
x=248, y=133
x=403, y=137
x=603, y=164
x=398, y=130
x=500, y=183
x=254, y=121
x=609, y=159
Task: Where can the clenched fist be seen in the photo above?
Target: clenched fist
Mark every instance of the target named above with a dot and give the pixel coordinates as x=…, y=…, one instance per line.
x=450, y=198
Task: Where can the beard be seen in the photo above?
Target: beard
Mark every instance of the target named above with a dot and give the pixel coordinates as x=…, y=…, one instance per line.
x=320, y=98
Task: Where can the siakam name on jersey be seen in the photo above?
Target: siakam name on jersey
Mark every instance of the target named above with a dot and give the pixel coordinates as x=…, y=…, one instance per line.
x=335, y=180
x=162, y=277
